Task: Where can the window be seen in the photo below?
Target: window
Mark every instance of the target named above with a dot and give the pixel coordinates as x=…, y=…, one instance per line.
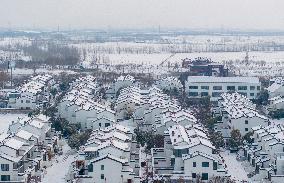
x=193, y=87
x=217, y=87
x=107, y=124
x=90, y=168
x=193, y=175
x=5, y=167
x=102, y=176
x=102, y=167
x=205, y=87
x=252, y=87
x=205, y=164
x=5, y=177
x=204, y=94
x=251, y=94
x=22, y=101
x=193, y=94
x=258, y=87
x=242, y=87
x=204, y=176
x=100, y=124
x=28, y=101
x=215, y=165
x=173, y=162
x=194, y=164
x=246, y=129
x=231, y=88
x=216, y=94
x=180, y=152
x=246, y=122
x=243, y=93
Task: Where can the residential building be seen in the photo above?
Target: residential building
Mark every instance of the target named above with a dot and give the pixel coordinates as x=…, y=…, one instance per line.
x=33, y=94
x=187, y=154
x=120, y=83
x=238, y=112
x=110, y=155
x=170, y=84
x=81, y=105
x=26, y=149
x=265, y=153
x=203, y=86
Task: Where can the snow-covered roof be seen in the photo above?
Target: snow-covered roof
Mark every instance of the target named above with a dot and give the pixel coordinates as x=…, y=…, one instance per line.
x=14, y=143
x=182, y=137
x=237, y=105
x=109, y=156
x=36, y=84
x=24, y=134
x=275, y=86
x=212, y=79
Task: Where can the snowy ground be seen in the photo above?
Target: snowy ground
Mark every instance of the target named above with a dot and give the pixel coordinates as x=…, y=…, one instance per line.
x=234, y=167
x=39, y=71
x=58, y=171
x=6, y=119
x=158, y=58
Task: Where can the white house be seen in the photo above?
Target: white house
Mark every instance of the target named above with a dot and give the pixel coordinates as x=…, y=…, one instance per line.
x=109, y=156
x=26, y=149
x=202, y=86
x=32, y=94
x=276, y=103
x=266, y=152
x=171, y=118
x=276, y=87
x=239, y=113
x=169, y=84
x=187, y=154
x=120, y=83
x=81, y=106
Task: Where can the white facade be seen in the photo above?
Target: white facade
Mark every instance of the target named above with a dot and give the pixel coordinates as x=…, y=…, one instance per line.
x=24, y=151
x=267, y=151
x=202, y=86
x=238, y=112
x=187, y=153
x=109, y=156
x=80, y=106
x=32, y=94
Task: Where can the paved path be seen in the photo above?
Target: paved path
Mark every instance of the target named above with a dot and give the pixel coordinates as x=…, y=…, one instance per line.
x=57, y=172
x=234, y=167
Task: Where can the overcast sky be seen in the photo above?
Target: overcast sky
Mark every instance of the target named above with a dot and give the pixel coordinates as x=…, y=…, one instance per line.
x=192, y=14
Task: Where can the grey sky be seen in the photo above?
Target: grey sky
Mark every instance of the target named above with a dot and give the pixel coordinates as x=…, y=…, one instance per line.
x=241, y=14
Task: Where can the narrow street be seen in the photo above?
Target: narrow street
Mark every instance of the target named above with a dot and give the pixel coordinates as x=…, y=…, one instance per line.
x=234, y=167
x=57, y=172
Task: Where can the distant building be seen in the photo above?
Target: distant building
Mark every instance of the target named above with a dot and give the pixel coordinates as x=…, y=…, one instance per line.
x=204, y=67
x=202, y=86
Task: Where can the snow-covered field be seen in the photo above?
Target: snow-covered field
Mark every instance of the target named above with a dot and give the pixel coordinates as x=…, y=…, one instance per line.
x=157, y=58
x=6, y=119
